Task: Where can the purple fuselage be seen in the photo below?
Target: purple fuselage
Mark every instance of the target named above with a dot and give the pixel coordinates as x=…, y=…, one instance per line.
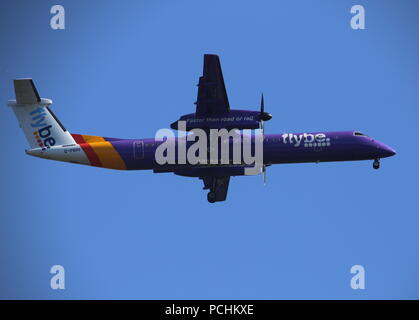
x=139, y=154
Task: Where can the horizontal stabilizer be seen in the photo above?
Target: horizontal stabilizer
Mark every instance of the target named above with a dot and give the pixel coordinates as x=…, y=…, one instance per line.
x=26, y=92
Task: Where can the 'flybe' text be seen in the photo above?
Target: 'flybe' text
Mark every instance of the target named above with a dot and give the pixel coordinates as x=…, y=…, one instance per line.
x=43, y=133
x=306, y=139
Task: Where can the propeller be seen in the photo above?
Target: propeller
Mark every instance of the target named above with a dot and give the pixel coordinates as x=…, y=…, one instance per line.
x=264, y=116
x=264, y=174
x=262, y=111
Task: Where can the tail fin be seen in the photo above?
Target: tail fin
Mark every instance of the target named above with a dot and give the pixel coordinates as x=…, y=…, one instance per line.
x=40, y=126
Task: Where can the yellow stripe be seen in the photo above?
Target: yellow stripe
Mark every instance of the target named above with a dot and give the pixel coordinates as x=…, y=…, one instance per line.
x=108, y=156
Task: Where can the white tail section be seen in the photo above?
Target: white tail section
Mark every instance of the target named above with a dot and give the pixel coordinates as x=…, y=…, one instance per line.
x=40, y=126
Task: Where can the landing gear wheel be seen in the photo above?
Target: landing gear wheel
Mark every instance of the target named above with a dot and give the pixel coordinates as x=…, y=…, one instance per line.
x=376, y=164
x=211, y=197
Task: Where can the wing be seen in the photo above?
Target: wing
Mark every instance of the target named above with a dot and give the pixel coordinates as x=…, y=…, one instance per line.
x=212, y=94
x=218, y=185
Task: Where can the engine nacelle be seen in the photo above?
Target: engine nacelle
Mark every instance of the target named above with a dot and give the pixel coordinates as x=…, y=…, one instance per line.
x=234, y=119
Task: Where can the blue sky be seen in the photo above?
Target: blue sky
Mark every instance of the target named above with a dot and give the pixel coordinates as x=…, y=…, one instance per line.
x=128, y=68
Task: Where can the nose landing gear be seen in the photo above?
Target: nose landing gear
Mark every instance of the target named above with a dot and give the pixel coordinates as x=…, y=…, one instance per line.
x=376, y=164
x=211, y=197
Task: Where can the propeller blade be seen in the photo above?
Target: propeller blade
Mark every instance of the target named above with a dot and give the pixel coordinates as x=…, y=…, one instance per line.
x=262, y=105
x=262, y=114
x=264, y=174
x=262, y=126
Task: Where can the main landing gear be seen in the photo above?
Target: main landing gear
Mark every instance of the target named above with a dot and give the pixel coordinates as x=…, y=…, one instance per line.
x=211, y=197
x=376, y=164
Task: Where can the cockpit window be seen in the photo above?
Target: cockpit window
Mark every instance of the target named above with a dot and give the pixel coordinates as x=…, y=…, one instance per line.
x=357, y=133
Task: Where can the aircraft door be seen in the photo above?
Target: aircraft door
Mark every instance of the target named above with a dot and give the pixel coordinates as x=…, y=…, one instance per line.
x=139, y=150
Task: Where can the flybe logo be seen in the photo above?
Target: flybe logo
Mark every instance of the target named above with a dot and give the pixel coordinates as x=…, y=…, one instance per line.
x=42, y=133
x=307, y=140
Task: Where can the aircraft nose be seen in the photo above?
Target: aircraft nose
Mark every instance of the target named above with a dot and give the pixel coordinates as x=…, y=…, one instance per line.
x=386, y=151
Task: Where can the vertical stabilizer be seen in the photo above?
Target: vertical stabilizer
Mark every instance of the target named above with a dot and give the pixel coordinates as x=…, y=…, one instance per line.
x=41, y=127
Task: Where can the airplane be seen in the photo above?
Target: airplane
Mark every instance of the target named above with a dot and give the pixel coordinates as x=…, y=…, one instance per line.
x=49, y=139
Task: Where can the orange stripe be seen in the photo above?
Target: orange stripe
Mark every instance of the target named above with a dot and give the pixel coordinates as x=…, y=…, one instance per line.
x=108, y=156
